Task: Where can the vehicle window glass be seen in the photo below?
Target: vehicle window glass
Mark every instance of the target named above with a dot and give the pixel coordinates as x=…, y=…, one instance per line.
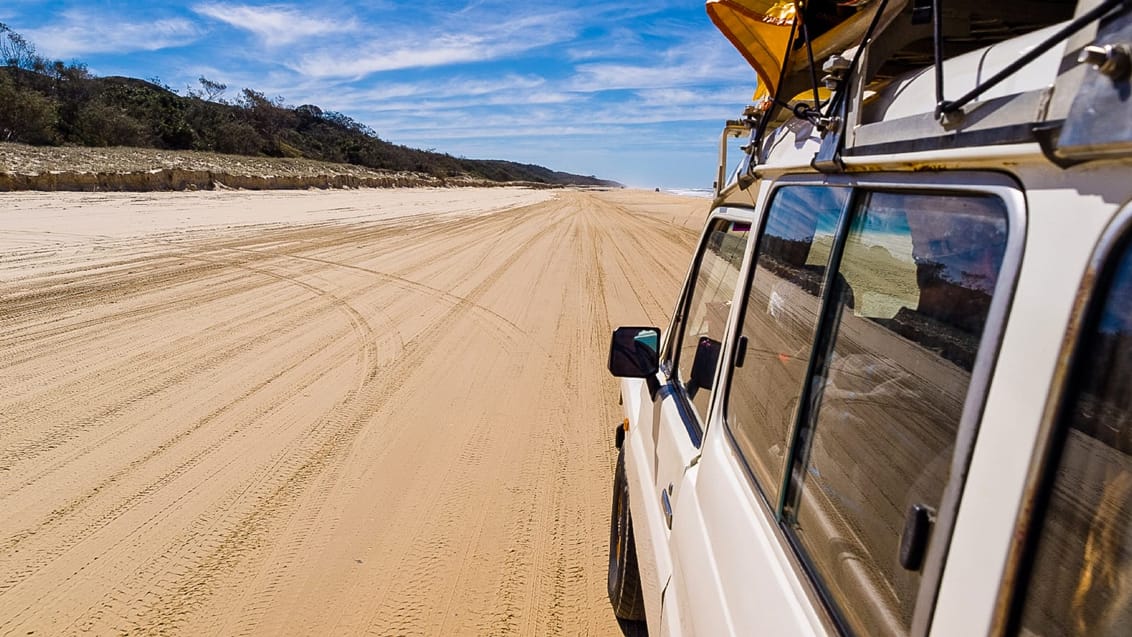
x=706, y=313
x=1081, y=578
x=906, y=313
x=779, y=321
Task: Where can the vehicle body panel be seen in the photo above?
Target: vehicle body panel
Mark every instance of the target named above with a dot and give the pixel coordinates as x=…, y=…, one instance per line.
x=653, y=561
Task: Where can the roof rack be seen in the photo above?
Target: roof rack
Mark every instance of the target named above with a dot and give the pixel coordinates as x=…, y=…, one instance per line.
x=1017, y=90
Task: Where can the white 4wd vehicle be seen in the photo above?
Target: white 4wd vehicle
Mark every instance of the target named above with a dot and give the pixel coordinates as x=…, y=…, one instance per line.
x=895, y=396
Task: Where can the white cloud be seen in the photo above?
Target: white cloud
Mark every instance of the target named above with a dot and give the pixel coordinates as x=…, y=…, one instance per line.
x=505, y=84
x=463, y=109
x=462, y=42
x=460, y=92
x=501, y=116
x=670, y=97
x=686, y=65
x=452, y=94
x=275, y=25
x=80, y=33
x=440, y=51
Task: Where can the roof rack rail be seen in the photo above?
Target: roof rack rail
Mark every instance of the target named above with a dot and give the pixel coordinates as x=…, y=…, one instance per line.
x=945, y=107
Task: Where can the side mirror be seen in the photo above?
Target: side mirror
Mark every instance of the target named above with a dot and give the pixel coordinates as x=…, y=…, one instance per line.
x=633, y=352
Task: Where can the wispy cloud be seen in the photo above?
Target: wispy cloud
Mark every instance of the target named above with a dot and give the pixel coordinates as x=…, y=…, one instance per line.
x=77, y=33
x=680, y=66
x=460, y=42
x=275, y=25
x=669, y=97
x=556, y=120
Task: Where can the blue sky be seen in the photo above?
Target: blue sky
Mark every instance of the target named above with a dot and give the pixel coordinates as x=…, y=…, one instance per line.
x=631, y=91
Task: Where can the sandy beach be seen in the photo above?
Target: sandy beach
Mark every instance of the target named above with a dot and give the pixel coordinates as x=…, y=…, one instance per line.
x=318, y=412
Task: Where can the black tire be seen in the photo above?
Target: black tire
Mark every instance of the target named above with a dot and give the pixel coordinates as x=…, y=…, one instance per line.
x=624, y=578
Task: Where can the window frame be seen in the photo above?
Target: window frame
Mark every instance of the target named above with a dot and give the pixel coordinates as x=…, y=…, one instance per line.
x=1115, y=242
x=1010, y=192
x=670, y=361
x=737, y=330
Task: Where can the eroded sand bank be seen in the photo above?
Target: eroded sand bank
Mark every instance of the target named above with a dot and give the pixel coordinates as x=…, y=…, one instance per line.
x=340, y=412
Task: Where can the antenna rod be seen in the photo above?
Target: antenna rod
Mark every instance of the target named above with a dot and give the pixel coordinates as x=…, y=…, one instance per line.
x=937, y=35
x=810, y=52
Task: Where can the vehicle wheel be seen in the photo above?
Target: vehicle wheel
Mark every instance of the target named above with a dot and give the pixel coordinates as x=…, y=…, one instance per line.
x=624, y=578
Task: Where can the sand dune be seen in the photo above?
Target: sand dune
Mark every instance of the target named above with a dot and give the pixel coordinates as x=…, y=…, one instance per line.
x=360, y=412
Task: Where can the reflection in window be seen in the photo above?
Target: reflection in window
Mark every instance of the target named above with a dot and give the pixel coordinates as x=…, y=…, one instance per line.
x=706, y=313
x=907, y=310
x=779, y=323
x=1081, y=579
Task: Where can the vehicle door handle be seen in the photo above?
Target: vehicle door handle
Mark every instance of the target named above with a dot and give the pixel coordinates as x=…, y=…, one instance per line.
x=666, y=505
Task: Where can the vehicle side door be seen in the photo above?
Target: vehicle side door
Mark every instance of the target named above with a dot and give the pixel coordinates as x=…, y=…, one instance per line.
x=681, y=395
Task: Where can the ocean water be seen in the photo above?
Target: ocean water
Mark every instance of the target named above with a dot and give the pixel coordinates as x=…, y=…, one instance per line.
x=703, y=193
